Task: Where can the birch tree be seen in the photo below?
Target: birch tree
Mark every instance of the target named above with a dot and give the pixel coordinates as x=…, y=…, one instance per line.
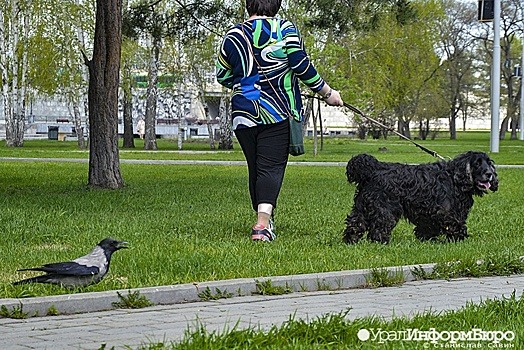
x=149, y=21
x=200, y=60
x=14, y=28
x=129, y=47
x=456, y=51
x=55, y=66
x=226, y=131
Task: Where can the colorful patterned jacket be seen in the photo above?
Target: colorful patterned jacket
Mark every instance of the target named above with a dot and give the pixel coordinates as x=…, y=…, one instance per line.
x=271, y=95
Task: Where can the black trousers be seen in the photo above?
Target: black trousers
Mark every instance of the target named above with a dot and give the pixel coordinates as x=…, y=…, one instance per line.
x=266, y=148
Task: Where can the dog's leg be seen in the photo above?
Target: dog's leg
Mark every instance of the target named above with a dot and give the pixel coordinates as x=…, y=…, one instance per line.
x=355, y=228
x=381, y=234
x=455, y=233
x=426, y=232
x=381, y=226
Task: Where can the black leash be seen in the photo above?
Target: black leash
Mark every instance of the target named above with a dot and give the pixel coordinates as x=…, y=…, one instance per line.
x=356, y=110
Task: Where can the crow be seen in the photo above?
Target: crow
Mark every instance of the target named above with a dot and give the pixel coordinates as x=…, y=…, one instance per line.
x=83, y=271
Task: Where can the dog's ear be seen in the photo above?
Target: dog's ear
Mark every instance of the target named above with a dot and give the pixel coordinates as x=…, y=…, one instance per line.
x=494, y=183
x=461, y=169
x=360, y=167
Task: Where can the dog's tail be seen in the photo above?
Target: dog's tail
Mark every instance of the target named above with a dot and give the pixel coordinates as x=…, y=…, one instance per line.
x=360, y=168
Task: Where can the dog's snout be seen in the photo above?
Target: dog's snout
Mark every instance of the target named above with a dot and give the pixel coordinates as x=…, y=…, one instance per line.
x=488, y=171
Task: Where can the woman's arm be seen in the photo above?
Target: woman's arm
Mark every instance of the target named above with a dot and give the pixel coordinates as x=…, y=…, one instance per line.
x=301, y=65
x=224, y=70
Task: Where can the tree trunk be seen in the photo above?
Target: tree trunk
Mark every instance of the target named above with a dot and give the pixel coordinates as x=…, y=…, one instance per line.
x=307, y=111
x=13, y=81
x=321, y=126
x=453, y=126
x=78, y=123
x=152, y=97
x=514, y=125
x=129, y=140
x=226, y=132
x=403, y=127
x=104, y=70
x=206, y=115
x=503, y=128
x=315, y=136
x=4, y=49
x=127, y=83
x=209, y=128
x=81, y=97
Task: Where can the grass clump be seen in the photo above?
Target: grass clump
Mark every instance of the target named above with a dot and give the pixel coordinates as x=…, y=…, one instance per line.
x=52, y=311
x=268, y=288
x=133, y=300
x=16, y=312
x=207, y=294
x=382, y=277
x=492, y=265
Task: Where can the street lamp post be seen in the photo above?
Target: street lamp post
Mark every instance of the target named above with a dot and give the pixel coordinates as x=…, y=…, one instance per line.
x=495, y=80
x=521, y=122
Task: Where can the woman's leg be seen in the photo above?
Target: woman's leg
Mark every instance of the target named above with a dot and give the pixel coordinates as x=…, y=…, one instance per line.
x=271, y=160
x=247, y=138
x=266, y=150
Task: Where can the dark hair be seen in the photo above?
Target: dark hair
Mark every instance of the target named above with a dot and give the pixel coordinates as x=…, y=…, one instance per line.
x=263, y=7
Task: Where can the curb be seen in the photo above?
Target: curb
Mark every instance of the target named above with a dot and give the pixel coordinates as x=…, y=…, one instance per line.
x=189, y=292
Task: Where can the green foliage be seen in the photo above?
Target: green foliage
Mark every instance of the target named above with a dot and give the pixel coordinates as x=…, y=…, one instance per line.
x=382, y=277
x=183, y=22
x=344, y=18
x=17, y=312
x=267, y=288
x=401, y=59
x=53, y=47
x=387, y=63
x=492, y=265
x=133, y=300
x=52, y=311
x=207, y=294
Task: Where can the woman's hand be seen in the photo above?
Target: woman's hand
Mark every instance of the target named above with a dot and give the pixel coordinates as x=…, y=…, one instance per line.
x=334, y=99
x=331, y=96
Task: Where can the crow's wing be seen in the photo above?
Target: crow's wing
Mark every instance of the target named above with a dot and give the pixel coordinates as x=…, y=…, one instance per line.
x=64, y=280
x=70, y=268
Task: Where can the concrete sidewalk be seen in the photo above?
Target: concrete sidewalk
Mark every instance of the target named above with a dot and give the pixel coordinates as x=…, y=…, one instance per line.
x=165, y=323
x=197, y=162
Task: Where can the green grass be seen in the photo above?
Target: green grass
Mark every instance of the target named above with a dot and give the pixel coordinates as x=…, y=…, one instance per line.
x=190, y=223
x=334, y=149
x=337, y=331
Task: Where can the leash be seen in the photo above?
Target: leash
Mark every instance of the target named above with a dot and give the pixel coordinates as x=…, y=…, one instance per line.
x=359, y=112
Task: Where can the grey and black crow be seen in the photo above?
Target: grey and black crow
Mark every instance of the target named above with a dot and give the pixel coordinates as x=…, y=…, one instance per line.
x=85, y=270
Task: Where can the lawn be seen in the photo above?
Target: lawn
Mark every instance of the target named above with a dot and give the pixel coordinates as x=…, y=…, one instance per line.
x=334, y=149
x=189, y=223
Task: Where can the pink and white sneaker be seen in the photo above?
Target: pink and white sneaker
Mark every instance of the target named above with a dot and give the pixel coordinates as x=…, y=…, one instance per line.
x=261, y=233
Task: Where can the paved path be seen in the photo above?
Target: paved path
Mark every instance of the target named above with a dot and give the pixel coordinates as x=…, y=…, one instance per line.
x=193, y=162
x=120, y=328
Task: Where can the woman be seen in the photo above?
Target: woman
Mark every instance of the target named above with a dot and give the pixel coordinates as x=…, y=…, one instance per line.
x=261, y=60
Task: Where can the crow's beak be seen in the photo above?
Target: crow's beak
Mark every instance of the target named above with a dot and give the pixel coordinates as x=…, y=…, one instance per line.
x=122, y=245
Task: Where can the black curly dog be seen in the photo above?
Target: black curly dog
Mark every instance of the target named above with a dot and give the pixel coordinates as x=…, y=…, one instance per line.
x=435, y=197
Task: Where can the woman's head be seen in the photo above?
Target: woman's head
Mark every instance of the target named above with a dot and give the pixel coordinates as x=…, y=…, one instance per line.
x=263, y=7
